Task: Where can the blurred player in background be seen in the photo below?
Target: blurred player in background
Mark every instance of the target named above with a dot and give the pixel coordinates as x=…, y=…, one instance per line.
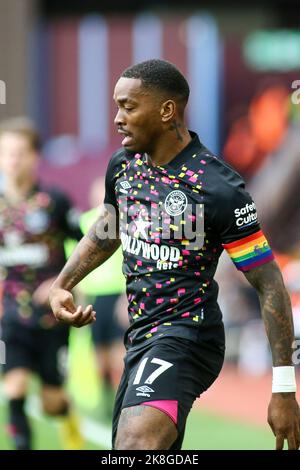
x=34, y=222
x=105, y=289
x=175, y=342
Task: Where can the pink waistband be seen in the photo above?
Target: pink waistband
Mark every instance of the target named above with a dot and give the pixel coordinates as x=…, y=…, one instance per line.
x=170, y=407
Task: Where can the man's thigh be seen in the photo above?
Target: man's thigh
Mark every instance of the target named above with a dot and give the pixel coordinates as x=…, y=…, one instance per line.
x=168, y=376
x=145, y=428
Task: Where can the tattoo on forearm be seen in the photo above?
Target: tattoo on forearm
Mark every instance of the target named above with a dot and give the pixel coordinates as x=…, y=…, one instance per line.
x=91, y=252
x=76, y=268
x=276, y=311
x=106, y=244
x=175, y=126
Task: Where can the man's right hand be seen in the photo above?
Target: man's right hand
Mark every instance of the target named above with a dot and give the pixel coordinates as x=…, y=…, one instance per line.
x=65, y=310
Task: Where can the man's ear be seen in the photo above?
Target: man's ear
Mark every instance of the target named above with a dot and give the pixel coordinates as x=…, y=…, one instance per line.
x=167, y=110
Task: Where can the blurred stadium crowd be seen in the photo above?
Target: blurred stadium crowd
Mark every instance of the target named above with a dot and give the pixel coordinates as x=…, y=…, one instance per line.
x=240, y=67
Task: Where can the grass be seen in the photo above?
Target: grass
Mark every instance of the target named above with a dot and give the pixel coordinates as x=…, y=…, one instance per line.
x=211, y=432
x=205, y=431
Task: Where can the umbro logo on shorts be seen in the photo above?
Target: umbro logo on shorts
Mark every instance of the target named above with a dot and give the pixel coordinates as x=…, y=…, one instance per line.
x=144, y=391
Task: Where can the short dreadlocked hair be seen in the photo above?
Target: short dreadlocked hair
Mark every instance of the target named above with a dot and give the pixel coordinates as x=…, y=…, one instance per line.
x=162, y=76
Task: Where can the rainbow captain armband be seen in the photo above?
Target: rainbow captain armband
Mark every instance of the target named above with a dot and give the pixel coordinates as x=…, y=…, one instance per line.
x=249, y=252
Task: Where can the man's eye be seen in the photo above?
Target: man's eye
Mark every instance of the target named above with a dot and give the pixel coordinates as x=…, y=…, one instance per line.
x=128, y=109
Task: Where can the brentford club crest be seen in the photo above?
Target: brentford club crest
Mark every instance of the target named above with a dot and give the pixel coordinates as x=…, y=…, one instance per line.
x=176, y=203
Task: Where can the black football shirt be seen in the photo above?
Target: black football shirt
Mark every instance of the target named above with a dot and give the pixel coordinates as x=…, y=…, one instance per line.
x=175, y=221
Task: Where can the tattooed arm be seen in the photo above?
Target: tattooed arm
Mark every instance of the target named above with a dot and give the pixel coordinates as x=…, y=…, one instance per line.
x=92, y=250
x=276, y=311
x=283, y=412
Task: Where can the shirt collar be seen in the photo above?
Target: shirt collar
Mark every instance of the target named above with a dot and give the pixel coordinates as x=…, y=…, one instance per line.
x=191, y=148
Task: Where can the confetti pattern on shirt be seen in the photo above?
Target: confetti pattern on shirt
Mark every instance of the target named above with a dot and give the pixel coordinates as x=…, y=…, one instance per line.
x=170, y=285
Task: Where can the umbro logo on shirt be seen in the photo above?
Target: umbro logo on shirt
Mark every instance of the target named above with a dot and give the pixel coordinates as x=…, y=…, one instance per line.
x=124, y=186
x=144, y=391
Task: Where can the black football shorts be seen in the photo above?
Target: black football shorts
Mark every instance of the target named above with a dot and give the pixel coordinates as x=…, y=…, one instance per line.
x=173, y=369
x=42, y=351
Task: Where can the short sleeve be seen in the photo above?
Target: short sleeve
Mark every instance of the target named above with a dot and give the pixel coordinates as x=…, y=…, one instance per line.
x=115, y=166
x=237, y=224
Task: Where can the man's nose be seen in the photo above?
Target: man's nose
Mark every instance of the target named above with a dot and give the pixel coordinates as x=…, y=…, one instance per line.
x=119, y=119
